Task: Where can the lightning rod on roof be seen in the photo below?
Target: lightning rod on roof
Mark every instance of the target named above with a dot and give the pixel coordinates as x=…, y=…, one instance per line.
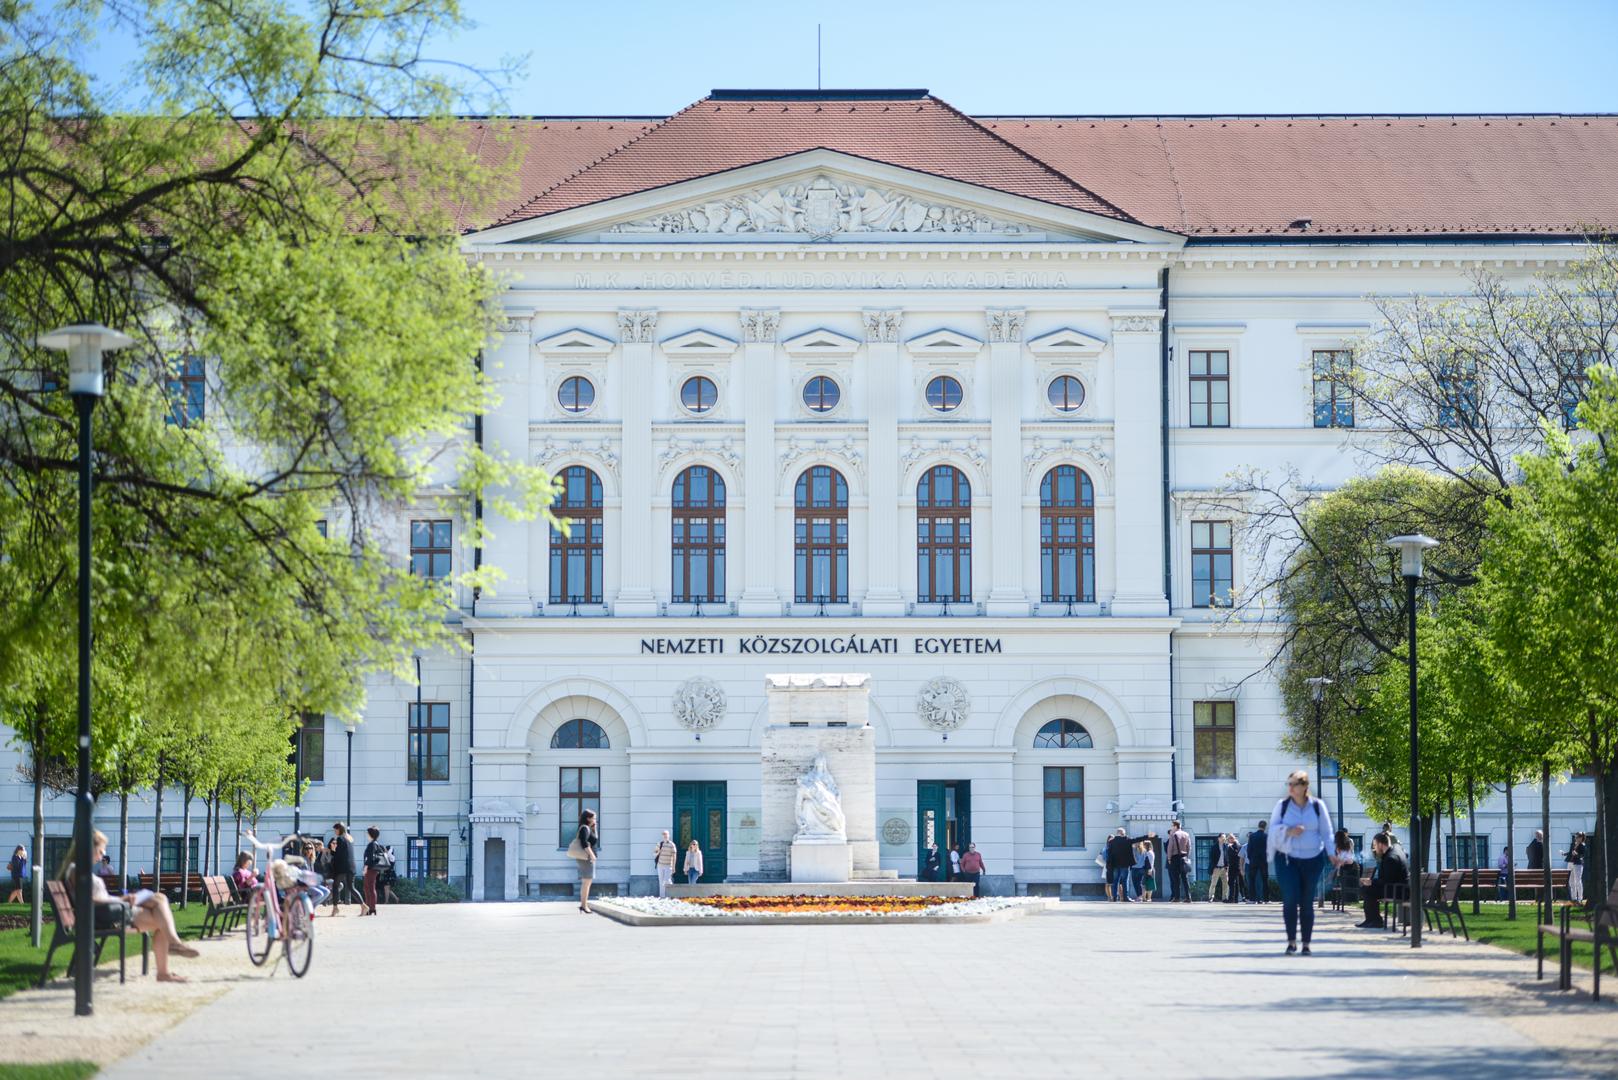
x=817, y=56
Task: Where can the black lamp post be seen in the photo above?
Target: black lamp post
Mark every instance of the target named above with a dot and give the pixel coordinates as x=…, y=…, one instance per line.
x=348, y=781
x=1317, y=692
x=84, y=345
x=1411, y=549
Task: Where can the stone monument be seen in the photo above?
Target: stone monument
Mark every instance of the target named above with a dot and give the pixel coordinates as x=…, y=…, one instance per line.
x=818, y=759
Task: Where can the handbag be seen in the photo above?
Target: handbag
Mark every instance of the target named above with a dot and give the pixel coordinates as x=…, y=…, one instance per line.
x=576, y=850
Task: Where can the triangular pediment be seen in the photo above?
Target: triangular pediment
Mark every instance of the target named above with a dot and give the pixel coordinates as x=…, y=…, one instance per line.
x=575, y=343
x=1066, y=342
x=820, y=342
x=698, y=343
x=943, y=344
x=821, y=196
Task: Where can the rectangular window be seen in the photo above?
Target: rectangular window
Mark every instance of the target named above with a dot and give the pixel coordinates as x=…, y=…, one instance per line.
x=1064, y=807
x=187, y=391
x=171, y=854
x=1459, y=396
x=1573, y=384
x=436, y=853
x=1474, y=851
x=58, y=850
x=430, y=549
x=1214, y=724
x=310, y=739
x=1205, y=851
x=1333, y=374
x=1210, y=564
x=429, y=740
x=320, y=527
x=579, y=790
x=1210, y=388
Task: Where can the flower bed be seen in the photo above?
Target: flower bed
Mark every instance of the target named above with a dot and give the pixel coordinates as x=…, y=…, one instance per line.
x=787, y=905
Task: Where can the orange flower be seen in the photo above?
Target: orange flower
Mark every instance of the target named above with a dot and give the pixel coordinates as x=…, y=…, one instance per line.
x=879, y=905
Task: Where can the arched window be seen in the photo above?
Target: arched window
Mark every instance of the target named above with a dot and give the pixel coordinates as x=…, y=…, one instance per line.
x=1063, y=735
x=943, y=536
x=576, y=555
x=1067, y=536
x=820, y=537
x=698, y=538
x=580, y=735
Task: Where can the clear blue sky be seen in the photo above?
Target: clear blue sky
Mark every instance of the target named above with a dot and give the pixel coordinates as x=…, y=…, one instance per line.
x=612, y=57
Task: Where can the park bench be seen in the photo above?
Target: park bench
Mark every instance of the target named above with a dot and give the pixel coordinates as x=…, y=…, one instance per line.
x=1395, y=903
x=224, y=910
x=171, y=885
x=1448, y=905
x=1531, y=882
x=1430, y=885
x=1601, y=931
x=1345, y=890
x=62, y=911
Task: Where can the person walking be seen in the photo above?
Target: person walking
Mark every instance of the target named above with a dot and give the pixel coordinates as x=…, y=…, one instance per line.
x=1120, y=858
x=584, y=849
x=1148, y=881
x=1301, y=834
x=18, y=869
x=1391, y=870
x=1574, y=857
x=377, y=859
x=340, y=867
x=1258, y=864
x=1137, y=873
x=693, y=863
x=972, y=868
x=663, y=858
x=1536, y=851
x=1218, y=871
x=1177, y=853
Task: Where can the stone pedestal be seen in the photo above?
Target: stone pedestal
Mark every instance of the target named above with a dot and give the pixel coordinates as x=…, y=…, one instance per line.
x=819, y=862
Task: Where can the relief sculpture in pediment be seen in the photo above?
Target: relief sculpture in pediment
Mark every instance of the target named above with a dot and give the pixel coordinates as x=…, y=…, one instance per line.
x=821, y=207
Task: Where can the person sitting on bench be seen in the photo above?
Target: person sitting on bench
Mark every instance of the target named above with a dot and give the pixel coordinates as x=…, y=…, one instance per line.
x=145, y=911
x=1391, y=869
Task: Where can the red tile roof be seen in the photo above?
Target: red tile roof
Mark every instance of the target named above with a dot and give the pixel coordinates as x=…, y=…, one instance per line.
x=1203, y=177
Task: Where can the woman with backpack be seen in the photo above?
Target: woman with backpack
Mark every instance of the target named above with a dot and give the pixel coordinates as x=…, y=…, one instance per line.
x=1301, y=839
x=377, y=859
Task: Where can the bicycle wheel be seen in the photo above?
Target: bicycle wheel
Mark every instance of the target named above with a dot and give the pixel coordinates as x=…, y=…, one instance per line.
x=300, y=937
x=258, y=928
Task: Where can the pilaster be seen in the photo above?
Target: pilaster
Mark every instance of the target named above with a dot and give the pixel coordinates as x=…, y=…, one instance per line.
x=1138, y=446
x=882, y=596
x=636, y=329
x=1006, y=595
x=758, y=366
x=505, y=431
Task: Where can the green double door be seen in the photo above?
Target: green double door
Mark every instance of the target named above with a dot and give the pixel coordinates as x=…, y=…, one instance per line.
x=699, y=813
x=943, y=817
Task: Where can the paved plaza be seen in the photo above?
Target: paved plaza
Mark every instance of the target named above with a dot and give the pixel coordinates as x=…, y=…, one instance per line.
x=1091, y=989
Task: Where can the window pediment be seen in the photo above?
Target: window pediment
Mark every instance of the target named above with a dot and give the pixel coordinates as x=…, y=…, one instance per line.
x=1065, y=342
x=698, y=344
x=575, y=343
x=820, y=343
x=944, y=344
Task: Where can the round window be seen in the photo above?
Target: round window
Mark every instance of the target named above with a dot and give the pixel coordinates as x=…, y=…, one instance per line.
x=1065, y=393
x=698, y=394
x=820, y=394
x=944, y=394
x=576, y=394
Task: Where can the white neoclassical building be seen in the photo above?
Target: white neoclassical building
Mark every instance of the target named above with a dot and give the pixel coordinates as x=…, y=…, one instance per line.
x=851, y=382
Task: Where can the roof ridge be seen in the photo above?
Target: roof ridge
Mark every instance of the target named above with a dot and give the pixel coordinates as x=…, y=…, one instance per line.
x=1123, y=214
x=512, y=215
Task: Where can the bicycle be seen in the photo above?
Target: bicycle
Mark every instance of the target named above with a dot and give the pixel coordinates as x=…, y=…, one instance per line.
x=272, y=913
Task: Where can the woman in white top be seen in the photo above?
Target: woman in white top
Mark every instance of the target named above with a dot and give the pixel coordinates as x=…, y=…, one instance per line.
x=693, y=863
x=1301, y=841
x=146, y=911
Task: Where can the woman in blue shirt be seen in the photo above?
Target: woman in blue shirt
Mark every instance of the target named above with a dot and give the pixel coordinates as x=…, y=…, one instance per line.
x=1301, y=841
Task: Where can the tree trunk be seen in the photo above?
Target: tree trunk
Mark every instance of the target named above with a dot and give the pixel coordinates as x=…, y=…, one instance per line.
x=1438, y=837
x=218, y=808
x=238, y=823
x=1607, y=840
x=1511, y=856
x=157, y=832
x=1453, y=842
x=185, y=845
x=1596, y=853
x=123, y=839
x=1545, y=827
x=36, y=881
x=1472, y=824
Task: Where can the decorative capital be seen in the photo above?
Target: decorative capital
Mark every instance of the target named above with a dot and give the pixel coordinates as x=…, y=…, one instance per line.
x=760, y=324
x=514, y=324
x=1136, y=322
x=637, y=326
x=881, y=324
x=1005, y=324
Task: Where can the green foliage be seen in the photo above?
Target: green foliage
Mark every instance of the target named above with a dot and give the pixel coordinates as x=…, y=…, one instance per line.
x=426, y=891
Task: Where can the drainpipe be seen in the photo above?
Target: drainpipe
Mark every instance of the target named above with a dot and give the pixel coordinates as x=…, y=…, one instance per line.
x=471, y=657
x=1168, y=525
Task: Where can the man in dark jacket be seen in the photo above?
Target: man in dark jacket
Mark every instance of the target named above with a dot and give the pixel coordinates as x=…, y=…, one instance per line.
x=1120, y=858
x=1391, y=869
x=1536, y=851
x=340, y=866
x=1233, y=860
x=1258, y=863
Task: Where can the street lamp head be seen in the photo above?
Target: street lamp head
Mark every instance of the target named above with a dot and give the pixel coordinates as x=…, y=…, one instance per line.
x=84, y=344
x=1317, y=686
x=1410, y=551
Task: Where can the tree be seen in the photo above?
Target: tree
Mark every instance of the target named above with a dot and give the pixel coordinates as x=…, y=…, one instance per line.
x=1550, y=586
